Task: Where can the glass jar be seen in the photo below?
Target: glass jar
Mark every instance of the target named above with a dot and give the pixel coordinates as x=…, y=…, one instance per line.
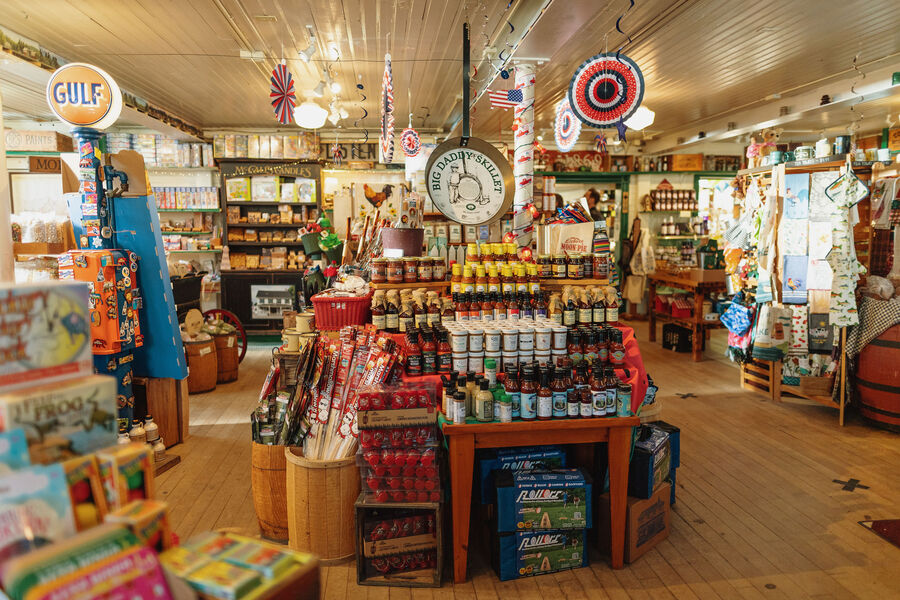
x=410, y=269
x=575, y=269
x=544, y=266
x=395, y=270
x=379, y=270
x=559, y=266
x=438, y=269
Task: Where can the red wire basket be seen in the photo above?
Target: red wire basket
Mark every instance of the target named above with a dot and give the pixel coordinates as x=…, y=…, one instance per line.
x=334, y=312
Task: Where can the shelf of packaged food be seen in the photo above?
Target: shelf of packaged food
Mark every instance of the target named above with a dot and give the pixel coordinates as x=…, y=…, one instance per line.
x=253, y=271
x=267, y=225
x=245, y=203
x=552, y=284
x=204, y=251
x=188, y=210
x=182, y=232
x=677, y=213
x=431, y=285
x=827, y=162
x=265, y=244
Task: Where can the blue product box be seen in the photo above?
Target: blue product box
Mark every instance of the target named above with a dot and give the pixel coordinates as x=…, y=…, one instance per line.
x=528, y=553
x=650, y=462
x=559, y=499
x=13, y=451
x=536, y=458
x=674, y=440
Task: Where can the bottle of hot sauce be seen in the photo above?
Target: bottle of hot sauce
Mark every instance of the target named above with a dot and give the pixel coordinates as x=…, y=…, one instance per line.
x=456, y=278
x=602, y=346
x=449, y=311
x=526, y=310
x=521, y=279
x=507, y=282
x=576, y=353
x=512, y=307
x=545, y=398
x=581, y=377
x=429, y=353
x=468, y=280
x=590, y=347
x=499, y=307
x=616, y=348
x=444, y=353
x=511, y=386
x=598, y=394
x=560, y=397
x=534, y=282
x=540, y=305
x=413, y=354
x=474, y=307
x=528, y=395
x=481, y=279
x=585, y=406
x=461, y=307
x=487, y=307
x=493, y=284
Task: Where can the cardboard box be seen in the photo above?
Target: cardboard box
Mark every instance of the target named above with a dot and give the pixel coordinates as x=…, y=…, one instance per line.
x=559, y=499
x=19, y=140
x=86, y=491
x=686, y=162
x=647, y=522
x=650, y=462
x=148, y=520
x=537, y=458
x=237, y=189
x=13, y=451
x=63, y=419
x=127, y=473
x=265, y=188
x=44, y=333
x=528, y=553
x=674, y=440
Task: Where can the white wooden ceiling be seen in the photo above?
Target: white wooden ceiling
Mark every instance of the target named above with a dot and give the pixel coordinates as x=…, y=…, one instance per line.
x=700, y=58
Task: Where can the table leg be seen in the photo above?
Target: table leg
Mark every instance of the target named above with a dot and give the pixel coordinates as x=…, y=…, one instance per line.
x=651, y=317
x=462, y=459
x=698, y=325
x=619, y=452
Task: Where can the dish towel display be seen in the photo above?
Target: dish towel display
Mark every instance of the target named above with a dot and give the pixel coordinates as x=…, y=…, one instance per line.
x=818, y=276
x=793, y=237
x=820, y=206
x=845, y=192
x=793, y=280
x=772, y=335
x=799, y=331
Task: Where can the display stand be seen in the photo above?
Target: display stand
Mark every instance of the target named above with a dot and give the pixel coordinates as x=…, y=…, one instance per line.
x=697, y=324
x=463, y=440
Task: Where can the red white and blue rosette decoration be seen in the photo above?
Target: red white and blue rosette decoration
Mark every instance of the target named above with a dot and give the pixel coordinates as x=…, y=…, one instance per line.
x=281, y=93
x=567, y=127
x=386, y=137
x=410, y=142
x=606, y=90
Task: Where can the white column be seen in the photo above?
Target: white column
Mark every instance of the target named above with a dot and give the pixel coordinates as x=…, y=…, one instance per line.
x=7, y=271
x=523, y=165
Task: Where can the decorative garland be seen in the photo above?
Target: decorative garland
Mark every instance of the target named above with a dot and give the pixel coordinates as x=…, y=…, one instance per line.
x=410, y=142
x=567, y=127
x=281, y=93
x=386, y=138
x=606, y=89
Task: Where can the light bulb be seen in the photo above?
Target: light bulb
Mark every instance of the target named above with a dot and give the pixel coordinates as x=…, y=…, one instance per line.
x=642, y=117
x=334, y=53
x=307, y=54
x=319, y=90
x=335, y=87
x=310, y=115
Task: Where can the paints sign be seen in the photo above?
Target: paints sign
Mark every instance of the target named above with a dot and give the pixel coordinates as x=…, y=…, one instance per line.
x=83, y=95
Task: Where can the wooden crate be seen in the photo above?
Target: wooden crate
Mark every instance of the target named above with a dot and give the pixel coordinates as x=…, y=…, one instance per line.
x=424, y=578
x=762, y=376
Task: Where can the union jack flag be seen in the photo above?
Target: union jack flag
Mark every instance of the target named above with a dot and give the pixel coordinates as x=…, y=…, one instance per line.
x=505, y=98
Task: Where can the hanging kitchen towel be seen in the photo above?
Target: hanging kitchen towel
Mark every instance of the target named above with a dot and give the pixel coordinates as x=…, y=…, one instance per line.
x=821, y=333
x=820, y=241
x=819, y=301
x=763, y=286
x=818, y=276
x=883, y=194
x=820, y=205
x=793, y=237
x=737, y=318
x=793, y=290
x=796, y=196
x=799, y=330
x=772, y=335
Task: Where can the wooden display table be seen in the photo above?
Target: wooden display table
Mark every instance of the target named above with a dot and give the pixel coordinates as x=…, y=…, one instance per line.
x=462, y=441
x=696, y=324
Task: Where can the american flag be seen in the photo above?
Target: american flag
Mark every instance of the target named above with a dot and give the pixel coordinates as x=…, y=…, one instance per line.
x=505, y=98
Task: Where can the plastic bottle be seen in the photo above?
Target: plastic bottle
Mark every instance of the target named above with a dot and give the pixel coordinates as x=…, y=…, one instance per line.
x=484, y=403
x=137, y=433
x=151, y=428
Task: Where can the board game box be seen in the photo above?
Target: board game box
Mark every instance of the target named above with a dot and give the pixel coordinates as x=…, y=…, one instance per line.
x=559, y=499
x=527, y=553
x=537, y=458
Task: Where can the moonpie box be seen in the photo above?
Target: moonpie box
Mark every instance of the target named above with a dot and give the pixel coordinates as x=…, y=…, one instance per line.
x=63, y=419
x=131, y=573
x=559, y=499
x=537, y=458
x=527, y=553
x=127, y=473
x=86, y=491
x=13, y=451
x=148, y=520
x=35, y=510
x=44, y=332
x=55, y=560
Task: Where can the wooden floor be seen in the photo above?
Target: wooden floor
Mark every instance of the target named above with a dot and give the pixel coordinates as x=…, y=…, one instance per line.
x=758, y=514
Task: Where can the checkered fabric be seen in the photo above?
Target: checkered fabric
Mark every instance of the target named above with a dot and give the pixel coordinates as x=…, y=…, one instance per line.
x=875, y=317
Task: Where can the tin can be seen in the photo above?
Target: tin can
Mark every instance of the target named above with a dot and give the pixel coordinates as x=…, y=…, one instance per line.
x=623, y=400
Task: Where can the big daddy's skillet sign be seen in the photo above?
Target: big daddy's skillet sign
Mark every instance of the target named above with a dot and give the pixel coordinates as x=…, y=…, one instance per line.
x=83, y=95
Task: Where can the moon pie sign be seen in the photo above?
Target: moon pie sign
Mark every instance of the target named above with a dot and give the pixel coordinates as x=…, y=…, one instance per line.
x=83, y=95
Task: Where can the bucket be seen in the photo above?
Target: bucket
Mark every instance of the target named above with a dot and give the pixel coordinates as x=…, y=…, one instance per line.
x=335, y=254
x=305, y=321
x=291, y=339
x=311, y=245
x=267, y=480
x=202, y=365
x=227, y=357
x=320, y=498
x=408, y=240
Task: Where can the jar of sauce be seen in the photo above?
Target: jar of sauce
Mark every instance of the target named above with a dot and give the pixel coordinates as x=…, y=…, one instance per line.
x=425, y=269
x=616, y=348
x=438, y=269
x=379, y=270
x=559, y=266
x=575, y=269
x=544, y=267
x=395, y=270
x=410, y=269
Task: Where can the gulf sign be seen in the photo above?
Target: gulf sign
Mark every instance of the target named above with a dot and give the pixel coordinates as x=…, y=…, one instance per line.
x=83, y=95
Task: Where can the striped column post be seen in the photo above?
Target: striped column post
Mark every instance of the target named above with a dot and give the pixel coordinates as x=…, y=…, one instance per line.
x=523, y=155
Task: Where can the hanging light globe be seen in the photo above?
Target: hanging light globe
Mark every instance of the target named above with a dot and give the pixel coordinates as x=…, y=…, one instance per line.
x=310, y=115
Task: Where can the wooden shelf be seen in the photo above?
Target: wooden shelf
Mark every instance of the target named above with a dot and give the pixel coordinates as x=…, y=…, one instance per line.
x=245, y=203
x=204, y=251
x=264, y=244
x=552, y=281
x=268, y=225
x=795, y=390
x=828, y=162
x=680, y=213
x=255, y=271
x=686, y=322
x=188, y=210
x=180, y=232
x=165, y=464
x=431, y=285
x=694, y=236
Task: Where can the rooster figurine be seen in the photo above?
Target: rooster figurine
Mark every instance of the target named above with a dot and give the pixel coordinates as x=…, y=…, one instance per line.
x=377, y=198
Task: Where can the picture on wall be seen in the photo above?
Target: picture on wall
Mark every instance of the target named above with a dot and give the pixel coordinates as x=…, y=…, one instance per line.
x=271, y=301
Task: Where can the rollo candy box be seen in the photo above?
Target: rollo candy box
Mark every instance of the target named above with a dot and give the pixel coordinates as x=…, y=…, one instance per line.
x=397, y=416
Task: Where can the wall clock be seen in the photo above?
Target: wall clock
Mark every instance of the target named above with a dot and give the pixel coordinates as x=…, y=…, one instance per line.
x=471, y=184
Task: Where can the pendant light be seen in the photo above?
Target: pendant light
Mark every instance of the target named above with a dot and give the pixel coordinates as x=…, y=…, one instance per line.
x=642, y=117
x=310, y=115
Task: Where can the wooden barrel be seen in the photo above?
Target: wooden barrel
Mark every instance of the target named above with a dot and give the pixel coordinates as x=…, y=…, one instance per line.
x=878, y=380
x=267, y=480
x=320, y=497
x=227, y=357
x=202, y=367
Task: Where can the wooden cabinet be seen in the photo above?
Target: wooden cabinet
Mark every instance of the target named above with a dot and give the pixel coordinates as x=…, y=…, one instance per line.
x=237, y=295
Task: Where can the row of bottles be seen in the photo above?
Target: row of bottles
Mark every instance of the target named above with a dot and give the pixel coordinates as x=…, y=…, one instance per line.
x=495, y=306
x=536, y=392
x=399, y=312
x=580, y=306
x=504, y=279
x=144, y=433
